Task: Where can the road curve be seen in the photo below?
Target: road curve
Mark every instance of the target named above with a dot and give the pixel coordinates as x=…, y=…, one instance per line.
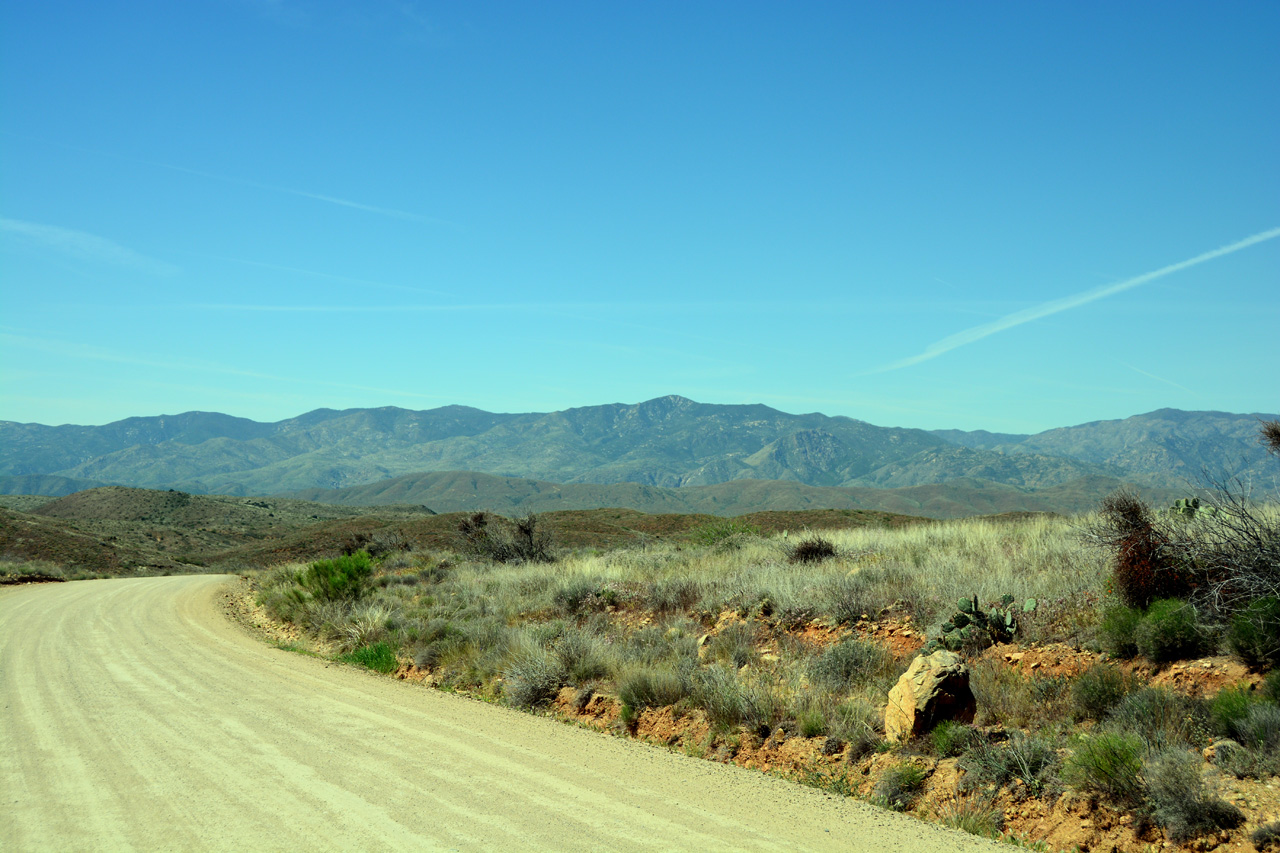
x=135, y=715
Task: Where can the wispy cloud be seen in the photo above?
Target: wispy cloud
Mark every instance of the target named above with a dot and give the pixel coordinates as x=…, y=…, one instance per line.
x=83, y=246
x=1159, y=378
x=1056, y=306
x=87, y=352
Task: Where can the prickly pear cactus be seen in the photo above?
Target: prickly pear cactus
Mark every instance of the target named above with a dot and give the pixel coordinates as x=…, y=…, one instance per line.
x=969, y=625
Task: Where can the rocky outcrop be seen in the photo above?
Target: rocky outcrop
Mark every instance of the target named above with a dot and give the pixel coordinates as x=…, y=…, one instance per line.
x=934, y=688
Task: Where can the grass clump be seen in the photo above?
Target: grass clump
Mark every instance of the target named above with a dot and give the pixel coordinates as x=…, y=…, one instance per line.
x=1026, y=757
x=900, y=787
x=533, y=678
x=1266, y=837
x=1161, y=718
x=950, y=739
x=1110, y=764
x=378, y=657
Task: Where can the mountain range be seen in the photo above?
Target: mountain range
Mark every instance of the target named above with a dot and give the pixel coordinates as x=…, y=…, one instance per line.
x=649, y=454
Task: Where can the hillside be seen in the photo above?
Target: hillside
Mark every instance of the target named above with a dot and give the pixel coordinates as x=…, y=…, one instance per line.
x=458, y=491
x=669, y=442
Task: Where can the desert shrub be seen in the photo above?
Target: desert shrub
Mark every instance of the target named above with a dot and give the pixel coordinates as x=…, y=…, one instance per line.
x=378, y=657
x=1228, y=709
x=1142, y=569
x=479, y=537
x=857, y=723
x=1178, y=800
x=673, y=594
x=1119, y=631
x=1254, y=634
x=652, y=687
x=578, y=595
x=1005, y=695
x=1259, y=729
x=730, y=701
x=533, y=678
x=340, y=579
x=1270, y=689
x=1109, y=764
x=848, y=598
x=815, y=549
x=735, y=644
x=583, y=655
x=1161, y=718
x=1267, y=836
x=900, y=786
x=848, y=663
x=1025, y=757
x=811, y=723
x=1097, y=690
x=1170, y=631
x=950, y=738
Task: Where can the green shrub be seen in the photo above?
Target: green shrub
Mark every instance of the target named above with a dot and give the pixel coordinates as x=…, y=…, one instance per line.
x=1228, y=709
x=1119, y=631
x=1110, y=764
x=378, y=657
x=848, y=663
x=529, y=542
x=1161, y=718
x=1097, y=690
x=900, y=786
x=1178, y=800
x=1170, y=631
x=950, y=739
x=1270, y=690
x=811, y=723
x=339, y=579
x=1255, y=632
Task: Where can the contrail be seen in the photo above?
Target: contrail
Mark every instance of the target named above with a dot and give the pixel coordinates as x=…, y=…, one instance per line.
x=977, y=333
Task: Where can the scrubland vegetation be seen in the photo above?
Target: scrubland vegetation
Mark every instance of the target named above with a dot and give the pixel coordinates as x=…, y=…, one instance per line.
x=759, y=635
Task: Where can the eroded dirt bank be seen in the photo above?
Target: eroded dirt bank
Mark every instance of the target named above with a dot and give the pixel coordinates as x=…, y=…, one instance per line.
x=134, y=715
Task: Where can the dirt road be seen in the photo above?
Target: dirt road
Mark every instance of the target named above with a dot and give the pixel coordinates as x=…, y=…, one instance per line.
x=135, y=715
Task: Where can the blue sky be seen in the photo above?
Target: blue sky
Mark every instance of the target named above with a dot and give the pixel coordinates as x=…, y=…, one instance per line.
x=974, y=215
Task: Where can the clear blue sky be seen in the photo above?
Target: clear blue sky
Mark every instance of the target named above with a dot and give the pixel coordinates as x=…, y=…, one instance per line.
x=916, y=214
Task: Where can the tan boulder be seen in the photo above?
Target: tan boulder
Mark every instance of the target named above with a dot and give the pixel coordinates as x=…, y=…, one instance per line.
x=934, y=688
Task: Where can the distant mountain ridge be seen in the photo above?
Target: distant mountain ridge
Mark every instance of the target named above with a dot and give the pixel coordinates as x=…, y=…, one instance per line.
x=668, y=442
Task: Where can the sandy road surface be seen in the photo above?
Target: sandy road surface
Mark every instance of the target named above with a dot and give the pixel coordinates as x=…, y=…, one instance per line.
x=134, y=715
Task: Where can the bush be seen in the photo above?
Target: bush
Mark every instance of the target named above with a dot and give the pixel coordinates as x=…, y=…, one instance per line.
x=1255, y=632
x=583, y=656
x=1271, y=687
x=533, y=679
x=1171, y=631
x=950, y=739
x=1097, y=690
x=1142, y=570
x=340, y=579
x=847, y=664
x=1024, y=757
x=1178, y=800
x=899, y=787
x=650, y=687
x=730, y=702
x=1119, y=630
x=1110, y=764
x=1161, y=718
x=528, y=543
x=1266, y=837
x=378, y=657
x=812, y=550
x=1228, y=709
x=1260, y=728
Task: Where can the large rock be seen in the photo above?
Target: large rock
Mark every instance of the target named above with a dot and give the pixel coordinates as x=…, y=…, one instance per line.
x=934, y=688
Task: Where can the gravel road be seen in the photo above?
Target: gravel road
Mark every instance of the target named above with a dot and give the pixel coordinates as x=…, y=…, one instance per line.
x=135, y=715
